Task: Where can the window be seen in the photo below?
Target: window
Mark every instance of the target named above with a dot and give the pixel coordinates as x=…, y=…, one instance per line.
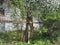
x=1, y=11
x=1, y=2
x=1, y=8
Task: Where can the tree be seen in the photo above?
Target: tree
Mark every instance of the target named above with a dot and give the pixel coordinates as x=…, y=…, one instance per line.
x=49, y=16
x=20, y=5
x=44, y=9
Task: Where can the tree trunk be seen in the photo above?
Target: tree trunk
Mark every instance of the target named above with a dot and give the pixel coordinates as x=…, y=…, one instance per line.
x=29, y=23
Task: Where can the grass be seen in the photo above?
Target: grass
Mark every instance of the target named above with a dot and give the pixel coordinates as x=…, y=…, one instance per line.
x=14, y=38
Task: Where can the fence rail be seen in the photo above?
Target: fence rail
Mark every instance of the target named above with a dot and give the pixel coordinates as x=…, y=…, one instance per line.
x=15, y=21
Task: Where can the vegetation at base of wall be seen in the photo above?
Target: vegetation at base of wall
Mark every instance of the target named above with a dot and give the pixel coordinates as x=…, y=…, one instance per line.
x=14, y=37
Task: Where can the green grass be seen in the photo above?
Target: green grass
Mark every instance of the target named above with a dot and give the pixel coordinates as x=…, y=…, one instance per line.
x=14, y=38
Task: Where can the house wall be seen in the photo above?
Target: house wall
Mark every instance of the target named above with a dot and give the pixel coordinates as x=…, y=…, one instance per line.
x=10, y=26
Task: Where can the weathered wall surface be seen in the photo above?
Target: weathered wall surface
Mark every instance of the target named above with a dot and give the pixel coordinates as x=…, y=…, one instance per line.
x=7, y=16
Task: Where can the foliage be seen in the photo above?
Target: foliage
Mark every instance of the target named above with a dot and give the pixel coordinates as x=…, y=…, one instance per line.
x=37, y=39
x=10, y=36
x=20, y=5
x=50, y=18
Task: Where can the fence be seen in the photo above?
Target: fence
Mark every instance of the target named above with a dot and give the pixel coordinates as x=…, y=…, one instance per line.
x=11, y=34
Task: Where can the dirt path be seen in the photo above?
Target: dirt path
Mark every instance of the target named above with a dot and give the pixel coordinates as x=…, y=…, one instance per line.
x=56, y=43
